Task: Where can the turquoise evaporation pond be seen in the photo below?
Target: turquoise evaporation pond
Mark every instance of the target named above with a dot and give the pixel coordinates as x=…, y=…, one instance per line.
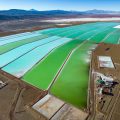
x=14, y=36
x=20, y=66
x=3, y=42
x=83, y=26
x=76, y=28
x=17, y=52
x=113, y=38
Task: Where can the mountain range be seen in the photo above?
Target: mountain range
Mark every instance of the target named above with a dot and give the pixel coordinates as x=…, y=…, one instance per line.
x=24, y=14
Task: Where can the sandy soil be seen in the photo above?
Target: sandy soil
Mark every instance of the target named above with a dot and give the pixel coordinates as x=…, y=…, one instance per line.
x=109, y=108
x=15, y=97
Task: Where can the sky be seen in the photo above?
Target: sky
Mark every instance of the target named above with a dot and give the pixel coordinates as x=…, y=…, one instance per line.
x=77, y=5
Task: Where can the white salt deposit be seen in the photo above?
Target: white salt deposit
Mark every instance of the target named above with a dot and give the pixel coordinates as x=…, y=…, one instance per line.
x=82, y=19
x=118, y=26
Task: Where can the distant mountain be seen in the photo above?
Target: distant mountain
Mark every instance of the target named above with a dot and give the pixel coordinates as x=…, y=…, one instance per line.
x=18, y=12
x=5, y=17
x=95, y=11
x=24, y=14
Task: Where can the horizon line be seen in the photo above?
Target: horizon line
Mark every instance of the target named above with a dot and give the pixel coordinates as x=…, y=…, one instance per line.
x=60, y=9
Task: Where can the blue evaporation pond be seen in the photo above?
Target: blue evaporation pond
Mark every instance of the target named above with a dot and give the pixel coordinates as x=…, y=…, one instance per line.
x=17, y=52
x=20, y=66
x=18, y=38
x=14, y=36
